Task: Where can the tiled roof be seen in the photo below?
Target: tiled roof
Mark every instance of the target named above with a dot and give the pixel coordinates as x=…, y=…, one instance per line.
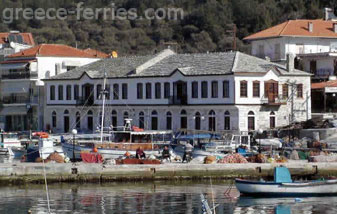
x=96, y=53
x=321, y=85
x=166, y=63
x=27, y=38
x=321, y=28
x=53, y=50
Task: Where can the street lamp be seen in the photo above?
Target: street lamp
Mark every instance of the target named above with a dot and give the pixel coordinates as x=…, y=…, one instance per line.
x=74, y=132
x=260, y=131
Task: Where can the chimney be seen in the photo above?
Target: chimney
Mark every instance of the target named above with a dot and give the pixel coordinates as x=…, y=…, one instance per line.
x=290, y=62
x=335, y=27
x=329, y=14
x=310, y=27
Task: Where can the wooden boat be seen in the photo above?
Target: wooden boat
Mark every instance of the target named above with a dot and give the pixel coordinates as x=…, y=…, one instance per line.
x=283, y=186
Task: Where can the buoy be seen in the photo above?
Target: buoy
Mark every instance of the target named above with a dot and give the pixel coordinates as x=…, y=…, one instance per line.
x=298, y=199
x=94, y=149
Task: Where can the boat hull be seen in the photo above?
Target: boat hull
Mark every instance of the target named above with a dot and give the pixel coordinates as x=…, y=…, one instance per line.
x=311, y=188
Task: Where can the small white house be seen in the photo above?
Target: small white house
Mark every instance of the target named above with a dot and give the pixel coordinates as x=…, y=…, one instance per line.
x=313, y=42
x=22, y=92
x=229, y=91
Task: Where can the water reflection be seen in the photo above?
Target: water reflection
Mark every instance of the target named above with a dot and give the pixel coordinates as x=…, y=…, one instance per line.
x=155, y=197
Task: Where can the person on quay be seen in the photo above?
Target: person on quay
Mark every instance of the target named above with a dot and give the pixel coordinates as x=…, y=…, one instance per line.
x=140, y=154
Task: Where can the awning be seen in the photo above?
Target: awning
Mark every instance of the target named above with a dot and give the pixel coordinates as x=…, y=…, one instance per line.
x=18, y=110
x=13, y=66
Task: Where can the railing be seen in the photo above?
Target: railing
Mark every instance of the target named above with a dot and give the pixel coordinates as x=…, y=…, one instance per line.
x=20, y=100
x=87, y=101
x=24, y=75
x=178, y=100
x=273, y=99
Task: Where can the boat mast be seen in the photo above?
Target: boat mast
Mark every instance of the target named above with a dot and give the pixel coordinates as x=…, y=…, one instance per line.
x=103, y=106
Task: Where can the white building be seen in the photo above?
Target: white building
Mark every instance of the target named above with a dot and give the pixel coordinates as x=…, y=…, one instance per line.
x=22, y=93
x=213, y=91
x=314, y=42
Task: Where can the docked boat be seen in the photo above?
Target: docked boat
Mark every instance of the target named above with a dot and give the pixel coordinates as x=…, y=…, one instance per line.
x=8, y=140
x=284, y=186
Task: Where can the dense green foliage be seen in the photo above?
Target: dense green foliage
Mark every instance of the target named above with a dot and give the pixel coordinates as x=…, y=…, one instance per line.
x=206, y=25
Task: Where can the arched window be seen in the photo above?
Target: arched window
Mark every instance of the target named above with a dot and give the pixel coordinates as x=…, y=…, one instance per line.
x=78, y=120
x=272, y=120
x=183, y=119
x=125, y=116
x=100, y=119
x=90, y=121
x=227, y=121
x=154, y=120
x=211, y=121
x=169, y=120
x=141, y=120
x=66, y=121
x=197, y=119
x=114, y=119
x=54, y=119
x=251, y=120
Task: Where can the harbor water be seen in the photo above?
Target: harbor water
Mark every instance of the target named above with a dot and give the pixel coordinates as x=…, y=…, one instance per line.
x=153, y=197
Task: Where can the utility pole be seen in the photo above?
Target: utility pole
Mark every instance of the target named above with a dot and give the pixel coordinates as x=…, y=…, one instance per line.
x=233, y=31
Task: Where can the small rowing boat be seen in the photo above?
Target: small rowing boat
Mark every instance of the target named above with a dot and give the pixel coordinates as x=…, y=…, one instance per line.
x=283, y=186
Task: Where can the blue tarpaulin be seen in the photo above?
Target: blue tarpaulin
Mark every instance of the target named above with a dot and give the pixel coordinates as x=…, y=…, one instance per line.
x=198, y=136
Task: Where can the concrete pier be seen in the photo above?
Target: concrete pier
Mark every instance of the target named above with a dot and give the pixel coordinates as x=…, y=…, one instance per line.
x=20, y=173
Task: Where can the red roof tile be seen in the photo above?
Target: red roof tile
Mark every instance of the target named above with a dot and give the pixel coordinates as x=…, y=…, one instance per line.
x=53, y=50
x=299, y=28
x=96, y=53
x=321, y=85
x=27, y=38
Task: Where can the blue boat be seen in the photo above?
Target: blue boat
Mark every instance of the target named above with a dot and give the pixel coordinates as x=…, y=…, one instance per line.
x=284, y=186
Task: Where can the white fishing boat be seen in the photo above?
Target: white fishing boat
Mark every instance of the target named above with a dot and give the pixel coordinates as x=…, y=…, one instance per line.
x=8, y=140
x=284, y=186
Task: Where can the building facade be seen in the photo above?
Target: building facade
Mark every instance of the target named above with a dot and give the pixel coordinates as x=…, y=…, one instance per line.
x=22, y=93
x=313, y=42
x=214, y=92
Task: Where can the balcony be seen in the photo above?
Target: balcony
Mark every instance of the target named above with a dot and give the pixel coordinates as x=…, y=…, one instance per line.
x=177, y=100
x=83, y=101
x=273, y=100
x=23, y=75
x=20, y=100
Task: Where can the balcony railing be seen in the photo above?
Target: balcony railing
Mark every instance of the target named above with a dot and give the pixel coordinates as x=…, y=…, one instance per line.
x=20, y=100
x=84, y=101
x=273, y=99
x=178, y=100
x=24, y=75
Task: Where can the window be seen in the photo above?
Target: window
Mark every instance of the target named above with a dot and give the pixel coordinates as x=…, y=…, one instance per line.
x=158, y=90
x=214, y=89
x=169, y=121
x=90, y=122
x=107, y=91
x=124, y=91
x=116, y=91
x=60, y=92
x=256, y=89
x=243, y=89
x=194, y=89
x=141, y=120
x=98, y=91
x=66, y=121
x=114, y=120
x=183, y=119
x=197, y=123
x=154, y=120
x=227, y=122
x=76, y=92
x=54, y=120
x=313, y=66
x=125, y=116
x=211, y=121
x=139, y=90
x=78, y=120
x=272, y=120
x=225, y=89
x=52, y=92
x=204, y=89
x=285, y=91
x=148, y=91
x=251, y=121
x=68, y=92
x=167, y=89
x=300, y=90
